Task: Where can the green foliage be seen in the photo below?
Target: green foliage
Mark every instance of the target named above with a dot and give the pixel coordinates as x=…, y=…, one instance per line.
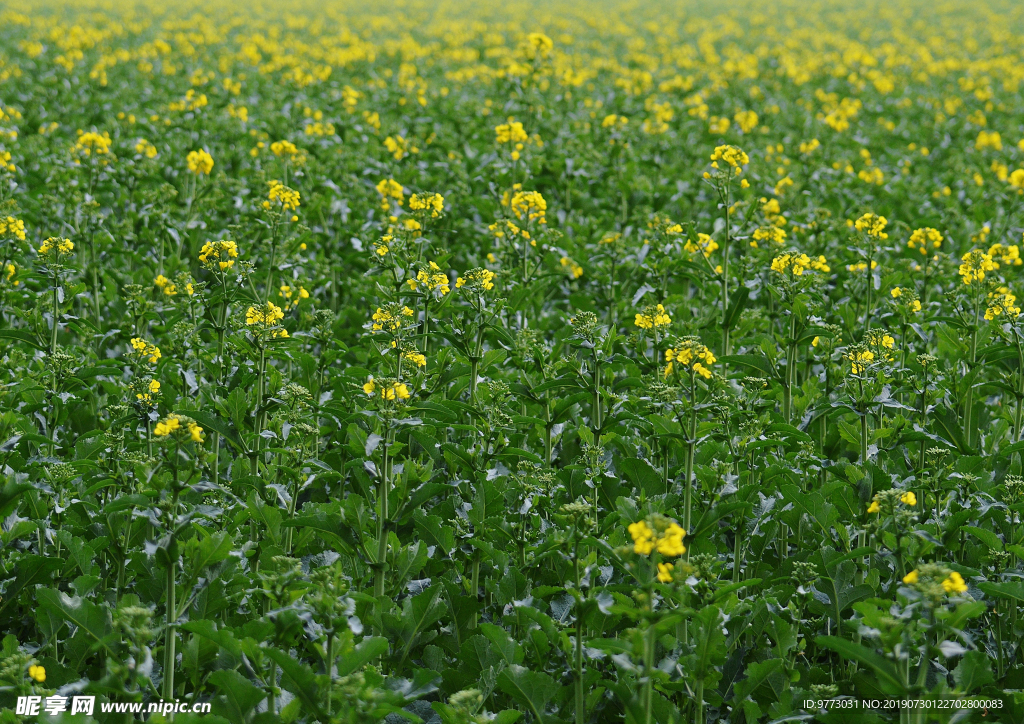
x=540, y=363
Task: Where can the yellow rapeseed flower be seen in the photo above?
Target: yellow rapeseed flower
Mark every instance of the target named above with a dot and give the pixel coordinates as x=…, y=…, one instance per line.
x=200, y=162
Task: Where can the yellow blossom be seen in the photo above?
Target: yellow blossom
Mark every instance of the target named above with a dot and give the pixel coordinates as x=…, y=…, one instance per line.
x=200, y=162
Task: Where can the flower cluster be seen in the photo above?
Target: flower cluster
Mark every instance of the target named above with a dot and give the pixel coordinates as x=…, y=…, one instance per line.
x=768, y=233
x=872, y=225
x=733, y=156
x=199, y=162
x=145, y=148
x=661, y=534
x=9, y=226
x=390, y=319
x=861, y=266
x=506, y=229
x=935, y=581
x=417, y=358
x=1001, y=302
x=881, y=342
x=689, y=354
x=924, y=239
x=975, y=265
x=165, y=285
x=1005, y=254
x=286, y=198
x=179, y=425
x=390, y=189
x=878, y=346
x=907, y=498
x=292, y=295
x=704, y=244
x=575, y=270
x=57, y=246
x=218, y=254
x=390, y=390
x=431, y=278
x=860, y=358
x=907, y=296
x=511, y=132
x=430, y=203
x=145, y=350
x=529, y=205
x=151, y=390
x=476, y=279
x=797, y=264
x=289, y=151
x=265, y=314
x=92, y=144
x=399, y=147
x=651, y=317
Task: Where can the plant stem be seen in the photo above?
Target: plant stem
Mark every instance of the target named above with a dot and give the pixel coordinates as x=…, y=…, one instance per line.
x=475, y=585
x=649, y=643
x=969, y=395
x=596, y=421
x=382, y=515
x=725, y=271
x=171, y=614
x=578, y=656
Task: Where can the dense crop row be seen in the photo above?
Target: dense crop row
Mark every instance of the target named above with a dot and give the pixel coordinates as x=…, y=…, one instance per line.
x=550, y=363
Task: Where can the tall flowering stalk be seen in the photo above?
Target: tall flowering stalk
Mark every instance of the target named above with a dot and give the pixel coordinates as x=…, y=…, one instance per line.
x=870, y=369
x=474, y=287
x=183, y=433
x=200, y=164
x=652, y=318
x=389, y=394
x=793, y=276
x=219, y=257
x=280, y=206
x=973, y=295
x=263, y=325
x=872, y=226
x=689, y=361
x=656, y=540
x=727, y=164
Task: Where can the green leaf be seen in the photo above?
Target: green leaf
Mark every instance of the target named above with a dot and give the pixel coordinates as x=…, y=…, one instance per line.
x=838, y=586
x=990, y=539
x=757, y=674
x=709, y=644
x=456, y=455
x=302, y=680
x=642, y=476
x=885, y=670
x=215, y=423
x=370, y=648
x=89, y=617
x=741, y=297
x=756, y=362
x=23, y=336
x=223, y=637
x=947, y=421
x=519, y=453
x=9, y=495
x=1013, y=590
x=532, y=689
x=240, y=697
x=973, y=672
